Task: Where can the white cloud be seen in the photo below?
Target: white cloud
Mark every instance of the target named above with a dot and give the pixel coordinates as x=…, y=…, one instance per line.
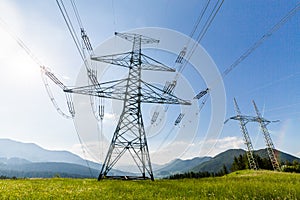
x=214, y=146
x=178, y=149
x=230, y=142
x=186, y=150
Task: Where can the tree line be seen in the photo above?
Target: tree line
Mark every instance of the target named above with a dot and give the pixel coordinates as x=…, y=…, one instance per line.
x=222, y=172
x=240, y=163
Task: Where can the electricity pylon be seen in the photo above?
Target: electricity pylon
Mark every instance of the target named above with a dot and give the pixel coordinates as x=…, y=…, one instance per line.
x=129, y=135
x=268, y=140
x=243, y=121
x=263, y=125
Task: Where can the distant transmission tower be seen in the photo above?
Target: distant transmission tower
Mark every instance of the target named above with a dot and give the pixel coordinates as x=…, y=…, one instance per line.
x=270, y=146
x=129, y=135
x=263, y=125
x=243, y=121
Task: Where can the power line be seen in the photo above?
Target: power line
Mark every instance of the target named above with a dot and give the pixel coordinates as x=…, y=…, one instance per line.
x=76, y=13
x=278, y=25
x=180, y=59
x=203, y=31
x=199, y=19
x=20, y=43
x=46, y=72
x=70, y=26
x=252, y=48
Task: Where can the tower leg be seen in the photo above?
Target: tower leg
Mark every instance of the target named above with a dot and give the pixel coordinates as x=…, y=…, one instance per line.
x=268, y=140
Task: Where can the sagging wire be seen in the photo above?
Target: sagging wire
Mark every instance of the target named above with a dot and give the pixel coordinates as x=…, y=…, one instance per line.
x=181, y=61
x=97, y=103
x=44, y=72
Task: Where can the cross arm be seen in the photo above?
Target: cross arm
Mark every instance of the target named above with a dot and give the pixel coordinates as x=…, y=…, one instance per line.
x=116, y=90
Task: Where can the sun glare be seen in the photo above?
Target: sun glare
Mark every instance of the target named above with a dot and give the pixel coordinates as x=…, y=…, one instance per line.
x=15, y=63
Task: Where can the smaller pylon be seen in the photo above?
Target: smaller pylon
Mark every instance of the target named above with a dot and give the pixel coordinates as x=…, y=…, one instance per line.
x=270, y=146
x=243, y=121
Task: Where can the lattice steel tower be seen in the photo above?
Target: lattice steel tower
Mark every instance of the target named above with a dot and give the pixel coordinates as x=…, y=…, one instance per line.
x=129, y=135
x=270, y=146
x=243, y=121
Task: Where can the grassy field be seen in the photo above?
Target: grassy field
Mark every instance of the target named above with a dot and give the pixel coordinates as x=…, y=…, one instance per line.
x=238, y=185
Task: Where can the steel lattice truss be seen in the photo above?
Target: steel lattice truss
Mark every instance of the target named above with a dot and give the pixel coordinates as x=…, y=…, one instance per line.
x=129, y=135
x=243, y=121
x=270, y=146
x=263, y=125
x=117, y=89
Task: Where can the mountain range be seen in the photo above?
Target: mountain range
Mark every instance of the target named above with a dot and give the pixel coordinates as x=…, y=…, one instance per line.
x=226, y=158
x=179, y=166
x=215, y=164
x=30, y=160
x=34, y=153
x=19, y=159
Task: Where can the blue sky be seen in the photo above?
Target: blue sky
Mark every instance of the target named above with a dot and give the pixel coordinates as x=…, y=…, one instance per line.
x=270, y=75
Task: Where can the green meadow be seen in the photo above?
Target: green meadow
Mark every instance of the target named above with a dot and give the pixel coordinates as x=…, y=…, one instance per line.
x=238, y=185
